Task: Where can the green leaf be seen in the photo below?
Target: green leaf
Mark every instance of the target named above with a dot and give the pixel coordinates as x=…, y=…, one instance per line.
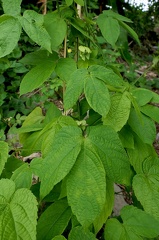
x=114, y=230
x=54, y=220
x=69, y=2
x=130, y=31
x=155, y=97
x=142, y=96
x=58, y=163
x=35, y=117
x=146, y=130
x=109, y=27
x=117, y=16
x=65, y=67
x=11, y=7
x=126, y=137
x=18, y=212
x=32, y=23
x=57, y=34
x=86, y=185
x=36, y=77
x=107, y=75
x=151, y=111
x=10, y=30
x=140, y=152
x=111, y=152
x=50, y=130
x=74, y=87
x=139, y=222
x=107, y=208
x=59, y=237
x=136, y=224
x=119, y=111
x=22, y=177
x=94, y=90
x=38, y=57
x=80, y=2
x=3, y=155
x=79, y=233
x=146, y=190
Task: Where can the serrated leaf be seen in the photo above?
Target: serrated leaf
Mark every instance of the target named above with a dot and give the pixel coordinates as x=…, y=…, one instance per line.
x=142, y=96
x=151, y=111
x=22, y=177
x=58, y=163
x=94, y=90
x=18, y=212
x=107, y=208
x=119, y=111
x=36, y=77
x=136, y=224
x=11, y=7
x=80, y=2
x=53, y=220
x=79, y=233
x=74, y=87
x=10, y=30
x=140, y=152
x=112, y=153
x=107, y=75
x=57, y=34
x=146, y=130
x=117, y=16
x=147, y=192
x=65, y=67
x=32, y=23
x=130, y=31
x=109, y=27
x=69, y=2
x=86, y=185
x=3, y=155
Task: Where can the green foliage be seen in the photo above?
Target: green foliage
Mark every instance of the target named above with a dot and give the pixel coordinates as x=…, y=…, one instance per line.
x=101, y=133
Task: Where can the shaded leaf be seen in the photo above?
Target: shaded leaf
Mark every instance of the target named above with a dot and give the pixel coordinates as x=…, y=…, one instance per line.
x=65, y=67
x=107, y=208
x=36, y=77
x=54, y=220
x=146, y=130
x=117, y=16
x=3, y=155
x=69, y=2
x=10, y=30
x=130, y=31
x=151, y=111
x=22, y=177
